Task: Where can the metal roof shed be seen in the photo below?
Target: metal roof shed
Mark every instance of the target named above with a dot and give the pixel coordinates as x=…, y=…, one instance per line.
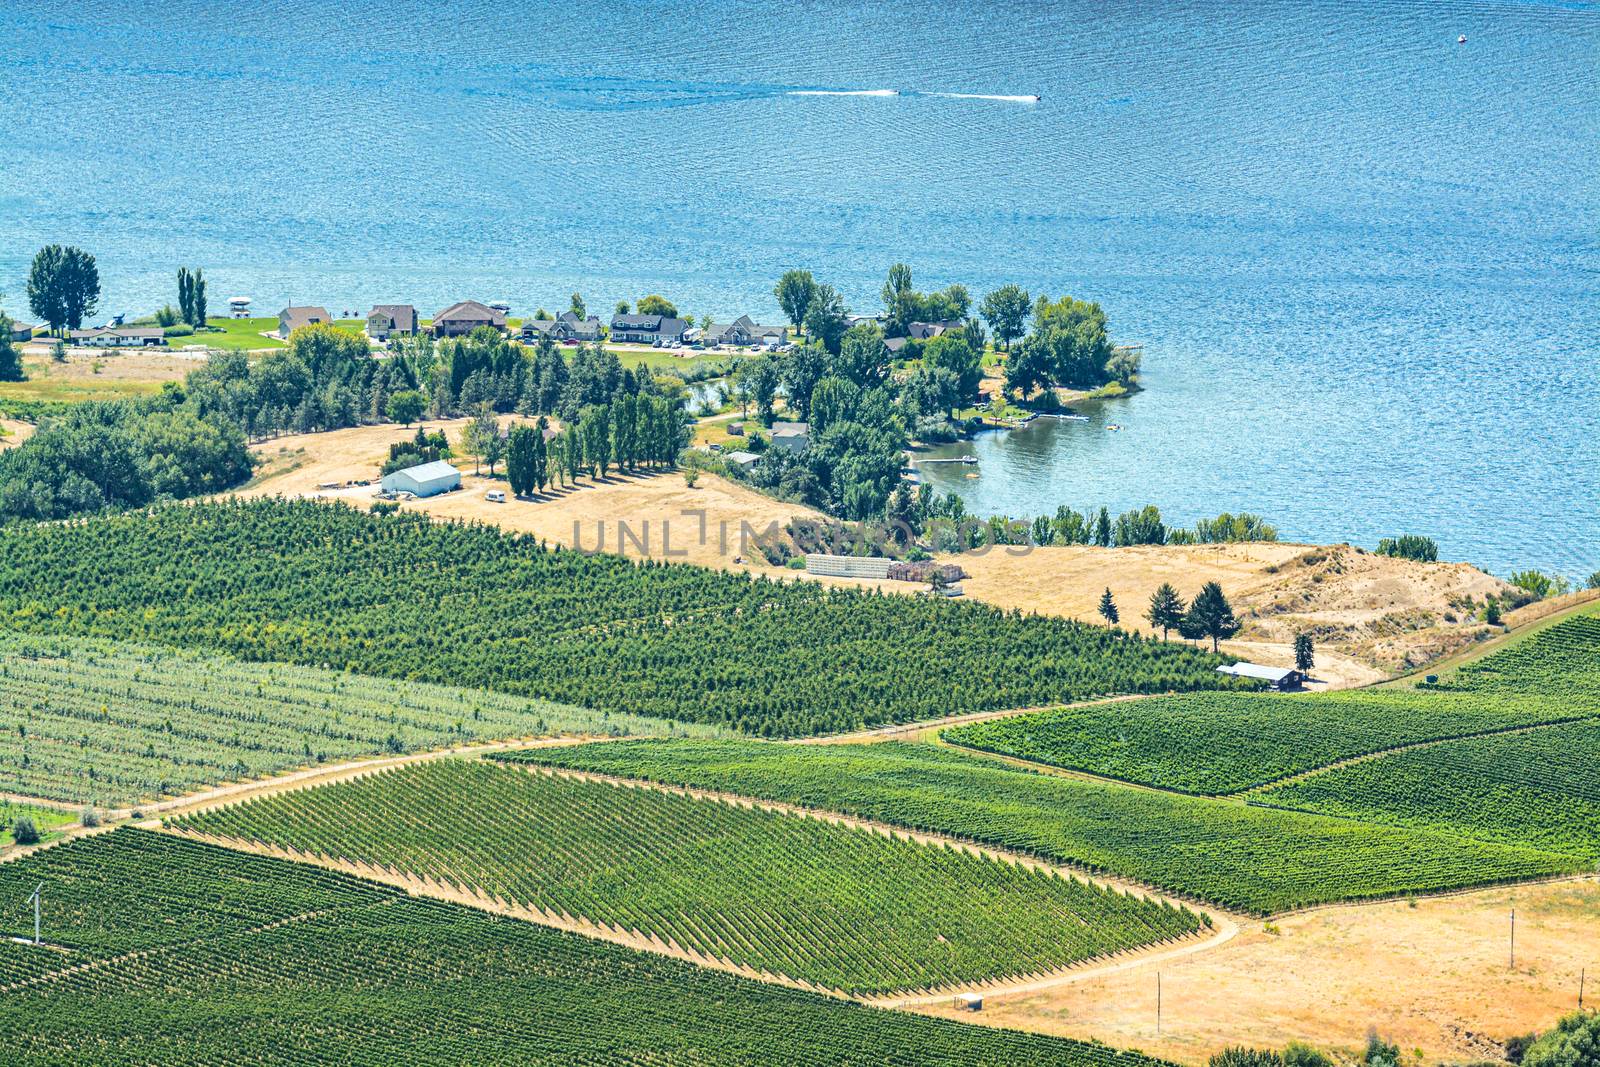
x=429, y=479
x=1277, y=677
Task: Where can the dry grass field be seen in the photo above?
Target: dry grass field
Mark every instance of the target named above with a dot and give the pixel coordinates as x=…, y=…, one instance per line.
x=1433, y=975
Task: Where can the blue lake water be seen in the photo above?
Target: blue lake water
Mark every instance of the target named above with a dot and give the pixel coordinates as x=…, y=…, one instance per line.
x=1363, y=259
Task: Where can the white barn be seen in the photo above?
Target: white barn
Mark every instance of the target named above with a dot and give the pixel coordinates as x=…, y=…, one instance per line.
x=1277, y=677
x=429, y=479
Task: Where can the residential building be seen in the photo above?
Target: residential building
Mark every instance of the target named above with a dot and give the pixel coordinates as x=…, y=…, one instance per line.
x=466, y=316
x=922, y=331
x=741, y=460
x=291, y=319
x=565, y=327
x=428, y=479
x=649, y=329
x=792, y=436
x=743, y=332
x=119, y=337
x=21, y=331
x=385, y=320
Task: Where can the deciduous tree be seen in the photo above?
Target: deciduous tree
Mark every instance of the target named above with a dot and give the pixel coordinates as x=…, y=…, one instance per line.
x=63, y=286
x=1006, y=311
x=795, y=291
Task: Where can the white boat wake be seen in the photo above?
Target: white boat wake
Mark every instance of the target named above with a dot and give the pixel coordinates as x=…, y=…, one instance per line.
x=1029, y=99
x=844, y=92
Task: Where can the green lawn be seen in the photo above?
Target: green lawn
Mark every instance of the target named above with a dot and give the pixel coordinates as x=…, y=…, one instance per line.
x=48, y=821
x=236, y=335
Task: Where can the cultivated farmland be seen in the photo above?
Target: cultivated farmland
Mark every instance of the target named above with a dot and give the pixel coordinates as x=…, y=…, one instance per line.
x=1540, y=787
x=403, y=597
x=1214, y=743
x=1562, y=661
x=208, y=956
x=842, y=908
x=1235, y=855
x=95, y=721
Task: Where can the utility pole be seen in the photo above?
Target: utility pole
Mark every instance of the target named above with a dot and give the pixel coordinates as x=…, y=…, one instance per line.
x=39, y=889
x=1513, y=938
x=1158, y=1003
x=1582, y=974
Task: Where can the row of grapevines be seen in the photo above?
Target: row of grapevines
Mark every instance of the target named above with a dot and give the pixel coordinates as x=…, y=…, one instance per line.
x=99, y=722
x=404, y=597
x=1216, y=743
x=843, y=908
x=362, y=975
x=1254, y=859
x=1561, y=661
x=1540, y=787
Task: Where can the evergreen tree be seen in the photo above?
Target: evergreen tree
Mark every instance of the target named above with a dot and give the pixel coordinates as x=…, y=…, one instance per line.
x=1166, y=609
x=1108, y=608
x=197, y=299
x=1305, y=655
x=185, y=295
x=1210, y=615
x=1102, y=528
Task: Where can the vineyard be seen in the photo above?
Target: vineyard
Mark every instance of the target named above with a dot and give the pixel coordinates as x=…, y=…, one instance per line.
x=94, y=721
x=209, y=956
x=402, y=597
x=843, y=908
x=1540, y=787
x=1562, y=660
x=1253, y=859
x=1216, y=743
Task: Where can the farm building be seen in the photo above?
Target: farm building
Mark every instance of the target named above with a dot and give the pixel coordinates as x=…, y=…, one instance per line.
x=847, y=566
x=429, y=479
x=1277, y=677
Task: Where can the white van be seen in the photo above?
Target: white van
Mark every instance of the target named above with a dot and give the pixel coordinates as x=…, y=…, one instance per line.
x=496, y=496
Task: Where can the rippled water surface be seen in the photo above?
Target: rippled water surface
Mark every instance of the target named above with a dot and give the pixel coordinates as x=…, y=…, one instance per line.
x=1364, y=259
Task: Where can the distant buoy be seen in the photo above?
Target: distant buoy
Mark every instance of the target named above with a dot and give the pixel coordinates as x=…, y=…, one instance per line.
x=1462, y=39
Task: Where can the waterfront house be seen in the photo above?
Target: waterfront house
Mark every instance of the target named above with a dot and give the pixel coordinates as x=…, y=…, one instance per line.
x=385, y=320
x=466, y=316
x=565, y=327
x=743, y=332
x=21, y=331
x=291, y=319
x=922, y=331
x=649, y=329
x=119, y=337
x=791, y=436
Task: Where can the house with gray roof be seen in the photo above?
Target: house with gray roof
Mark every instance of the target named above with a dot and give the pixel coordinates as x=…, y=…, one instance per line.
x=291, y=319
x=426, y=479
x=744, y=332
x=649, y=329
x=119, y=337
x=465, y=316
x=387, y=319
x=566, y=326
x=791, y=436
x=21, y=331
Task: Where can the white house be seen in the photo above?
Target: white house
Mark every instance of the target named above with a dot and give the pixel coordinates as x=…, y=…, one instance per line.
x=121, y=337
x=429, y=479
x=1277, y=677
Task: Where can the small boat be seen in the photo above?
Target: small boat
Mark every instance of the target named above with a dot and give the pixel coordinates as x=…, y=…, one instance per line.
x=1462, y=39
x=1113, y=426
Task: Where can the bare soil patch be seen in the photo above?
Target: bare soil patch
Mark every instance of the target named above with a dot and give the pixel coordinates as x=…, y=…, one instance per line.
x=1435, y=975
x=16, y=432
